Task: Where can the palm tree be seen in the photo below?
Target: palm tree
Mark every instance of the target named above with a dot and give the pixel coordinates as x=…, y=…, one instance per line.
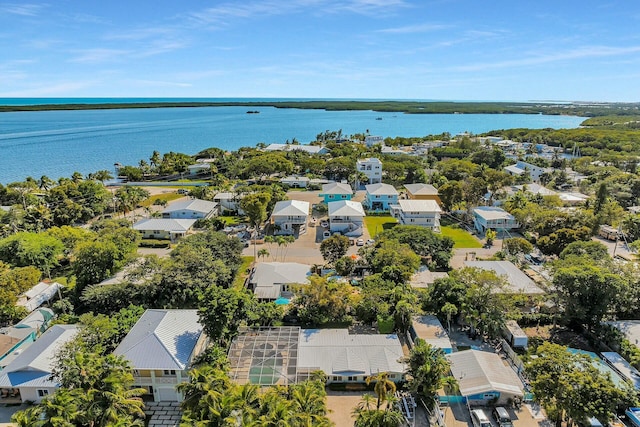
x=203, y=392
x=263, y=253
x=45, y=183
x=449, y=310
x=383, y=386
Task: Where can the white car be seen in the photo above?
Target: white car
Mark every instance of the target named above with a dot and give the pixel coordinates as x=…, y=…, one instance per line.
x=324, y=224
x=360, y=242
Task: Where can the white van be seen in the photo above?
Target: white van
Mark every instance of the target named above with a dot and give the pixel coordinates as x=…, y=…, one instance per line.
x=479, y=418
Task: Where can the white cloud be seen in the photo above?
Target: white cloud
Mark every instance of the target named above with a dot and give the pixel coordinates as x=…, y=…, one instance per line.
x=99, y=55
x=418, y=28
x=28, y=9
x=59, y=89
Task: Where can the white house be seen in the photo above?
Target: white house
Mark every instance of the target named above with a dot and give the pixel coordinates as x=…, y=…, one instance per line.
x=190, y=209
x=380, y=197
x=371, y=140
x=425, y=213
x=272, y=280
x=485, y=217
x=295, y=181
x=521, y=168
x=199, y=168
x=38, y=295
x=229, y=202
x=163, y=228
x=30, y=372
x=346, y=217
x=350, y=358
x=430, y=330
x=372, y=168
x=161, y=347
x=290, y=217
x=310, y=149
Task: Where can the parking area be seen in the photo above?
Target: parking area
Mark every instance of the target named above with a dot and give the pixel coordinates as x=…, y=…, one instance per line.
x=457, y=415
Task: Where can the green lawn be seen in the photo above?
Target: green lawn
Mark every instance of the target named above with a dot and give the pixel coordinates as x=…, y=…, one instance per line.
x=462, y=238
x=377, y=224
x=231, y=220
x=242, y=271
x=168, y=197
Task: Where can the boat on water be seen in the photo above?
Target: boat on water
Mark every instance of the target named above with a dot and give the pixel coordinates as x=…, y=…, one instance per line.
x=378, y=118
x=253, y=112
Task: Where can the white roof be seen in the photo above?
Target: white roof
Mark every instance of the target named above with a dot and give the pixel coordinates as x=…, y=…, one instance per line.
x=623, y=367
x=336, y=352
x=630, y=329
x=426, y=206
x=295, y=178
x=36, y=319
x=423, y=277
x=291, y=208
x=165, y=224
x=38, y=295
x=337, y=188
x=345, y=208
x=226, y=195
x=515, y=329
x=517, y=281
x=430, y=329
x=490, y=213
x=34, y=365
x=481, y=372
x=370, y=160
x=267, y=277
x=515, y=169
x=196, y=205
x=421, y=189
x=381, y=189
x=311, y=149
x=162, y=339
x=536, y=189
x=200, y=165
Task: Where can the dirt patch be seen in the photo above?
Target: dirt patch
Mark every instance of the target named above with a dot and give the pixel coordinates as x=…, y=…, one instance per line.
x=341, y=405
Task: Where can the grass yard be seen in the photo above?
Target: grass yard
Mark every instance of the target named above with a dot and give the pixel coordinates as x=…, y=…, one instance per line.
x=461, y=237
x=167, y=197
x=377, y=224
x=231, y=220
x=242, y=271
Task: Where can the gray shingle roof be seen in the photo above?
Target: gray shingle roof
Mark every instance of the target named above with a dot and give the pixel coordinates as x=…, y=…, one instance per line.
x=345, y=208
x=421, y=189
x=381, y=189
x=337, y=188
x=291, y=208
x=162, y=339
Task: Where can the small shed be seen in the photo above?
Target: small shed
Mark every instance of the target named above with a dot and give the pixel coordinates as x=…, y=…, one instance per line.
x=514, y=335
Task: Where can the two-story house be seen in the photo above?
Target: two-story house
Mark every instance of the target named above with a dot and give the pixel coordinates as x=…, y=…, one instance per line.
x=290, y=217
x=521, y=168
x=346, y=217
x=425, y=213
x=380, y=197
x=485, y=217
x=421, y=191
x=161, y=348
x=372, y=168
x=335, y=191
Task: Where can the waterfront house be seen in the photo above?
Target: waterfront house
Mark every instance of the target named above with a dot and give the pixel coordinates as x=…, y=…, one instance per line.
x=310, y=149
x=380, y=197
x=371, y=140
x=229, y=202
x=346, y=217
x=161, y=348
x=164, y=228
x=371, y=168
x=30, y=372
x=483, y=378
x=522, y=168
x=295, y=181
x=334, y=191
x=41, y=293
x=272, y=280
x=191, y=209
x=489, y=217
x=199, y=168
x=290, y=217
x=421, y=191
x=425, y=213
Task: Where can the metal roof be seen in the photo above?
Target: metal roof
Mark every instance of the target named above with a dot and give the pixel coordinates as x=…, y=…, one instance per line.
x=38, y=295
x=267, y=277
x=291, y=208
x=345, y=208
x=36, y=319
x=490, y=213
x=36, y=362
x=336, y=352
x=630, y=329
x=426, y=206
x=482, y=372
x=381, y=189
x=196, y=205
x=336, y=188
x=430, y=329
x=421, y=189
x=517, y=281
x=162, y=339
x=165, y=224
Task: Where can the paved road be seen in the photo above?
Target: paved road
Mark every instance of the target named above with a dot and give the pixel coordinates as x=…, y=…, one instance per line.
x=7, y=411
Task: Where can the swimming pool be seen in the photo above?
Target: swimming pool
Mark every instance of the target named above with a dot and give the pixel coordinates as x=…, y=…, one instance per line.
x=602, y=366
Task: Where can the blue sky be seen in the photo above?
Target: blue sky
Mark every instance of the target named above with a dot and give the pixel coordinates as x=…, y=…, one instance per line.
x=391, y=49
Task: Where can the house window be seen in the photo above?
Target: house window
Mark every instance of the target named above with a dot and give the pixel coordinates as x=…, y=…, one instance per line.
x=169, y=372
x=43, y=392
x=136, y=373
x=335, y=378
x=352, y=378
x=344, y=196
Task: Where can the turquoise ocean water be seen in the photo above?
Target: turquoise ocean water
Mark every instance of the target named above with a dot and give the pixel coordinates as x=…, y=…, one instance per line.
x=57, y=143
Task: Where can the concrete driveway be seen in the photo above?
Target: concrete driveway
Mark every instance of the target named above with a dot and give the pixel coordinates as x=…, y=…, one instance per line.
x=7, y=411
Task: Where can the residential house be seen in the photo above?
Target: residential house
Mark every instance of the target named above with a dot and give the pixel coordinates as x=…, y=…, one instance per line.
x=391, y=151
x=41, y=293
x=371, y=168
x=516, y=281
x=335, y=191
x=350, y=358
x=191, y=209
x=15, y=339
x=371, y=140
x=229, y=202
x=38, y=321
x=490, y=217
x=163, y=228
x=310, y=149
x=425, y=213
x=483, y=378
x=290, y=217
x=30, y=372
x=272, y=281
x=346, y=217
x=199, y=168
x=295, y=181
x=430, y=330
x=421, y=191
x=161, y=348
x=380, y=197
x=522, y=168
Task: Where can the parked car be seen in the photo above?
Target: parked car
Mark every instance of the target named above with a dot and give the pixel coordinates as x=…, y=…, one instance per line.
x=360, y=242
x=183, y=191
x=324, y=224
x=326, y=234
x=479, y=418
x=502, y=417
